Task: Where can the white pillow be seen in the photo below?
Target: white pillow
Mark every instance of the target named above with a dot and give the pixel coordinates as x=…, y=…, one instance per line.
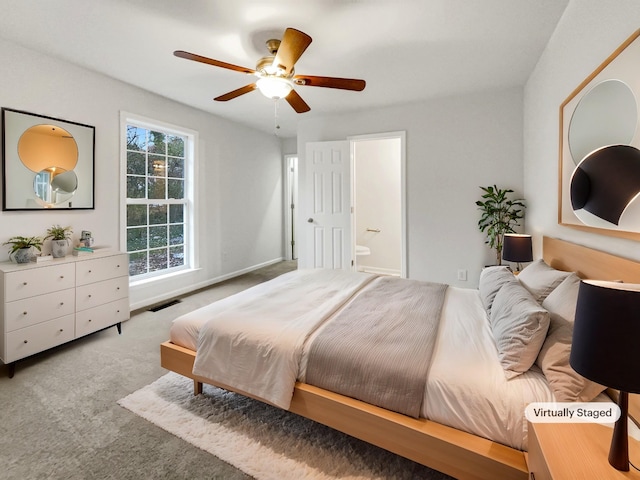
x=541, y=279
x=519, y=326
x=491, y=280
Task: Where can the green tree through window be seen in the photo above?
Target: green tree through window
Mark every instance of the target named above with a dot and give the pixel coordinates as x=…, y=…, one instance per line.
x=156, y=203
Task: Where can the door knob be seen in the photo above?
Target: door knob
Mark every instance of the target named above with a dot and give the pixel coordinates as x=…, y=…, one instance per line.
x=310, y=220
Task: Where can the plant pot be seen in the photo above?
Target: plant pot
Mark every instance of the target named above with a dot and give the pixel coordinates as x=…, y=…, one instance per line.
x=23, y=255
x=58, y=248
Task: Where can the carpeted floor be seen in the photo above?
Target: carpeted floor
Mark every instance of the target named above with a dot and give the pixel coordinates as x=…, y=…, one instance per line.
x=264, y=441
x=59, y=417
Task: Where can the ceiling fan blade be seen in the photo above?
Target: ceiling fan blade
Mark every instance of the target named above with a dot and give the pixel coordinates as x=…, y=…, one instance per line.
x=211, y=61
x=236, y=93
x=293, y=44
x=296, y=101
x=330, y=82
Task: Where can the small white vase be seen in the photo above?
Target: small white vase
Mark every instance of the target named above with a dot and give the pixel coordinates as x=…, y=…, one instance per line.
x=58, y=248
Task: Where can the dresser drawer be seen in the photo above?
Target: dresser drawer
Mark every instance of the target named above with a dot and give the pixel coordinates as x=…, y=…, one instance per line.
x=98, y=269
x=37, y=281
x=94, y=294
x=29, y=311
x=36, y=338
x=100, y=317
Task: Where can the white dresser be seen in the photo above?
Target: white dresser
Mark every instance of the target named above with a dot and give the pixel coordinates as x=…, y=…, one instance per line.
x=50, y=303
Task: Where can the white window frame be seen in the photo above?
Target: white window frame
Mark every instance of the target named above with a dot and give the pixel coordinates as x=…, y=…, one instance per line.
x=190, y=173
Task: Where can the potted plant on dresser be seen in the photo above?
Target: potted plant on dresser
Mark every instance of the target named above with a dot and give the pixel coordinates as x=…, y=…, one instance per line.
x=60, y=237
x=21, y=247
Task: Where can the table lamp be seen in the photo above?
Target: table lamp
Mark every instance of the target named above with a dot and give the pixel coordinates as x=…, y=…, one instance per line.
x=606, y=333
x=517, y=248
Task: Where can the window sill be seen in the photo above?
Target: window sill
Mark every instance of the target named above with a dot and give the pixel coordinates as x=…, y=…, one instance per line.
x=162, y=277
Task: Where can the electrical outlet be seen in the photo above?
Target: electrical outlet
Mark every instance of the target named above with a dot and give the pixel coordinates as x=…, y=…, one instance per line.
x=462, y=275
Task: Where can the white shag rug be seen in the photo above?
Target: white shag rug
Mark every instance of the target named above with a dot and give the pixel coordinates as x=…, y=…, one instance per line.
x=263, y=441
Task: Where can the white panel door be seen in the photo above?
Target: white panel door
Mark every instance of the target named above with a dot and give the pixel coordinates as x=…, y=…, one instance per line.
x=328, y=204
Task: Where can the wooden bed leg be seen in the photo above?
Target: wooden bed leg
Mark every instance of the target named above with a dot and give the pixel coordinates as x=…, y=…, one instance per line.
x=197, y=387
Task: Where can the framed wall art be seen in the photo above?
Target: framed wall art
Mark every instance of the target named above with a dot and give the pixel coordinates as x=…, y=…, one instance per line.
x=599, y=166
x=47, y=163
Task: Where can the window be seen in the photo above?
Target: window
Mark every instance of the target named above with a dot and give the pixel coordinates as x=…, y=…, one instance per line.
x=158, y=210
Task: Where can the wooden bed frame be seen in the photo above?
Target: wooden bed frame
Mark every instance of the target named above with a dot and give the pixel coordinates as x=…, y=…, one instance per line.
x=451, y=451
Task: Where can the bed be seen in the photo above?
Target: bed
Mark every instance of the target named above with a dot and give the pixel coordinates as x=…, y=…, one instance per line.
x=474, y=441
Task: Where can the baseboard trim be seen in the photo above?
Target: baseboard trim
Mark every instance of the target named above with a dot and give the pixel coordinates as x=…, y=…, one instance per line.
x=143, y=304
x=379, y=271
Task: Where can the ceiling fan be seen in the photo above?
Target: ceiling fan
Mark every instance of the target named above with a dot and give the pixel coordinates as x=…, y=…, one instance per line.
x=275, y=72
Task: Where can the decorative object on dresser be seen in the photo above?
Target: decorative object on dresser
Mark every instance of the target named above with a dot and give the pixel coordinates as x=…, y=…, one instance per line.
x=605, y=346
x=599, y=150
x=86, y=240
x=51, y=303
x=499, y=215
x=517, y=248
x=48, y=163
x=60, y=237
x=21, y=247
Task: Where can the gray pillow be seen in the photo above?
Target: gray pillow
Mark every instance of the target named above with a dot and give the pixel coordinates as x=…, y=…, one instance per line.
x=567, y=384
x=491, y=280
x=541, y=279
x=519, y=326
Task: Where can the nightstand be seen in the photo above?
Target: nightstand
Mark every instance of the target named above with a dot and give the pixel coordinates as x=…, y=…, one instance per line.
x=567, y=451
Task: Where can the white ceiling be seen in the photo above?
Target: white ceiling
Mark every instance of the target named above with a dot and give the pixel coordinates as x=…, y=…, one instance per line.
x=406, y=50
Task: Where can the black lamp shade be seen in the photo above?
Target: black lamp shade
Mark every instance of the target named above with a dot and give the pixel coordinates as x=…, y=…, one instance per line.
x=606, y=334
x=517, y=248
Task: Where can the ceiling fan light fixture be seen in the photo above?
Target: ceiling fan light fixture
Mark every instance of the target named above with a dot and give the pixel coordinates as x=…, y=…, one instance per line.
x=274, y=87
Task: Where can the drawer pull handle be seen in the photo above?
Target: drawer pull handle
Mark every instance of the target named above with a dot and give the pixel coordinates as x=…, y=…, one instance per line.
x=24, y=283
x=117, y=288
x=89, y=295
x=117, y=311
x=90, y=320
x=26, y=341
x=89, y=271
x=61, y=330
x=24, y=313
x=61, y=303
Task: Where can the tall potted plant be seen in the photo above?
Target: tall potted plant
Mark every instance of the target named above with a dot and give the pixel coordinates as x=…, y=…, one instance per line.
x=60, y=237
x=499, y=215
x=21, y=247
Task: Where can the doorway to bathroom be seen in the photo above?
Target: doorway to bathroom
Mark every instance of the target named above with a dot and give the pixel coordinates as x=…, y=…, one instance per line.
x=334, y=222
x=378, y=203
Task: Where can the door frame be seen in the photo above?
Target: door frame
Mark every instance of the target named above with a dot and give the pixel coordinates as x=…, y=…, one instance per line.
x=402, y=135
x=291, y=198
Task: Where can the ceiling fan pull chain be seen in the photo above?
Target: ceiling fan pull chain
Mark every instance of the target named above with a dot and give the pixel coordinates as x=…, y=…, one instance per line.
x=276, y=126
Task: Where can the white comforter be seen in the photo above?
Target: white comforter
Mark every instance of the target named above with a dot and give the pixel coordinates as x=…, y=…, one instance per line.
x=255, y=346
x=467, y=388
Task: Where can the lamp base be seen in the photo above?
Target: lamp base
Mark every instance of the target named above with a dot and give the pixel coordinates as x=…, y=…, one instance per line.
x=619, y=452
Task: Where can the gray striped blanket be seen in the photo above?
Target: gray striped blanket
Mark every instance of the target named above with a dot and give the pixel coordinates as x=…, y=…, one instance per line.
x=378, y=348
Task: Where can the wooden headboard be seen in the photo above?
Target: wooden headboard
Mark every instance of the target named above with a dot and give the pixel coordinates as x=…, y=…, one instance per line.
x=589, y=263
x=594, y=264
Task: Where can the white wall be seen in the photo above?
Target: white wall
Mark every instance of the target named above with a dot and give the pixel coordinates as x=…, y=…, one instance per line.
x=289, y=146
x=239, y=170
x=589, y=31
x=454, y=145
